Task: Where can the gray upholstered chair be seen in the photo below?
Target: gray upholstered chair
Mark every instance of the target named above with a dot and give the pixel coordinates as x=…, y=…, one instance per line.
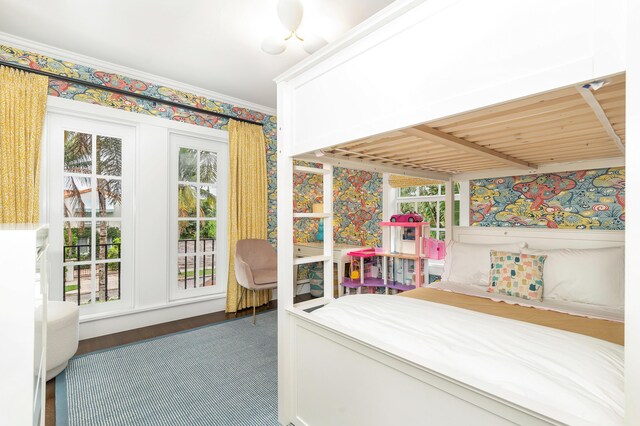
x=256, y=266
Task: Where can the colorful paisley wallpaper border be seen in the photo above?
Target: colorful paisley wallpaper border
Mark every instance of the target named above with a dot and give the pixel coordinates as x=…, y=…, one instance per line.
x=584, y=199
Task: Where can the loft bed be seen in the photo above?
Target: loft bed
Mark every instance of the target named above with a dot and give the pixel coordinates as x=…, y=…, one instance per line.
x=516, y=92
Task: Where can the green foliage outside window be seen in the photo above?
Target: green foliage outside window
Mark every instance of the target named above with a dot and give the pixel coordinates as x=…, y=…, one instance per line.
x=432, y=211
x=209, y=229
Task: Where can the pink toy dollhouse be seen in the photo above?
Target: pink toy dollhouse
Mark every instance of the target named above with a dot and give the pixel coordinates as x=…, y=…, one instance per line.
x=401, y=265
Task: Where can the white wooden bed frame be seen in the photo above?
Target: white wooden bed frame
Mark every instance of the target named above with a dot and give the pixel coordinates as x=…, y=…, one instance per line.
x=343, y=379
x=344, y=92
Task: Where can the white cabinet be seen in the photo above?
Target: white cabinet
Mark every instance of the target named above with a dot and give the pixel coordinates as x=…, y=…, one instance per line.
x=23, y=313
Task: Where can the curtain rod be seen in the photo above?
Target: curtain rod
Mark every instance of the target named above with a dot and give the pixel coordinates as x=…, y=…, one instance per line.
x=125, y=92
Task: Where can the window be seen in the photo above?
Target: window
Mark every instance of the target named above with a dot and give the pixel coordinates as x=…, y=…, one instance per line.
x=90, y=211
x=199, y=212
x=428, y=200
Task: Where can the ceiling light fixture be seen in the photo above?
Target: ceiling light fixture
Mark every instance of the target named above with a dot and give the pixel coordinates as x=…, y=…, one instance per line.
x=595, y=85
x=290, y=13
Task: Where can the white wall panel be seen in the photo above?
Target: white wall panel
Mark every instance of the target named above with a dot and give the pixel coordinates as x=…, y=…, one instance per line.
x=152, y=199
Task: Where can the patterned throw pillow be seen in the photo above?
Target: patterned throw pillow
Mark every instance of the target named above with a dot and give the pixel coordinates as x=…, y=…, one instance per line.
x=516, y=274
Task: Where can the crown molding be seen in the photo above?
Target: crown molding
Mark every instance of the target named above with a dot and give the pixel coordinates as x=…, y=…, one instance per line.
x=65, y=55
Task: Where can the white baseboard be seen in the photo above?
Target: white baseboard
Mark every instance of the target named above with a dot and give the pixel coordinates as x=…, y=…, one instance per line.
x=146, y=317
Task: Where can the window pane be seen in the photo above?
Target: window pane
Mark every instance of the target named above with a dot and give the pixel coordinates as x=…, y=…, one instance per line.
x=208, y=201
x=208, y=167
x=77, y=152
x=456, y=187
x=77, y=283
x=87, y=156
x=187, y=165
x=441, y=207
x=456, y=213
x=443, y=190
x=429, y=190
x=207, y=235
x=207, y=245
x=109, y=156
x=71, y=284
x=108, y=240
x=441, y=235
x=408, y=192
x=407, y=207
x=186, y=236
x=196, y=215
x=109, y=198
x=108, y=278
x=433, y=234
x=187, y=201
x=186, y=272
x=77, y=241
x=428, y=210
x=77, y=196
x=207, y=271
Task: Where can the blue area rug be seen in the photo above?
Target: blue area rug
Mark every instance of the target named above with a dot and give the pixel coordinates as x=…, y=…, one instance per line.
x=221, y=374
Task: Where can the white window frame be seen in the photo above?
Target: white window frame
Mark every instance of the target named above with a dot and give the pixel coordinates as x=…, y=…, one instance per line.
x=57, y=124
x=177, y=140
x=440, y=197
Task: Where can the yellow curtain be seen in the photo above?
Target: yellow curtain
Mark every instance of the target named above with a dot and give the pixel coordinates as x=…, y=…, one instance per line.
x=247, y=201
x=23, y=99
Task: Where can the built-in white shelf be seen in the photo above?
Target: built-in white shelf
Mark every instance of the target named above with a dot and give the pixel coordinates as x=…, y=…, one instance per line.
x=311, y=215
x=312, y=170
x=310, y=259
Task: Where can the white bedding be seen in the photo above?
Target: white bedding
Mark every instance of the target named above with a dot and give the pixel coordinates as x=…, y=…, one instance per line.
x=573, y=308
x=569, y=377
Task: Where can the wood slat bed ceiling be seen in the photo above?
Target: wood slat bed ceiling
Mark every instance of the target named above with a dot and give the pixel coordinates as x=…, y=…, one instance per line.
x=555, y=127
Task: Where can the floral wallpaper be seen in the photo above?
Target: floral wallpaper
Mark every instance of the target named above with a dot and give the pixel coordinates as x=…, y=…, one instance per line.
x=357, y=206
x=81, y=93
x=585, y=199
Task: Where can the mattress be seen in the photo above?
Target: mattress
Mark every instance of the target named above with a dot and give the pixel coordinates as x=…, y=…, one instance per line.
x=570, y=377
x=573, y=308
x=611, y=331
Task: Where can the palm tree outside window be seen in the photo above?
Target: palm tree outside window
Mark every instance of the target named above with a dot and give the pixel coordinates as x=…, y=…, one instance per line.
x=197, y=217
x=93, y=217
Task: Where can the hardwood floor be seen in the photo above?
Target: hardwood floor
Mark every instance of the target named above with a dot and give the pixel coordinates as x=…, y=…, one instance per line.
x=117, y=339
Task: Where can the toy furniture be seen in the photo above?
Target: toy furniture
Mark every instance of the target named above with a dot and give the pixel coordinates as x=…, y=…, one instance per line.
x=404, y=260
x=406, y=217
